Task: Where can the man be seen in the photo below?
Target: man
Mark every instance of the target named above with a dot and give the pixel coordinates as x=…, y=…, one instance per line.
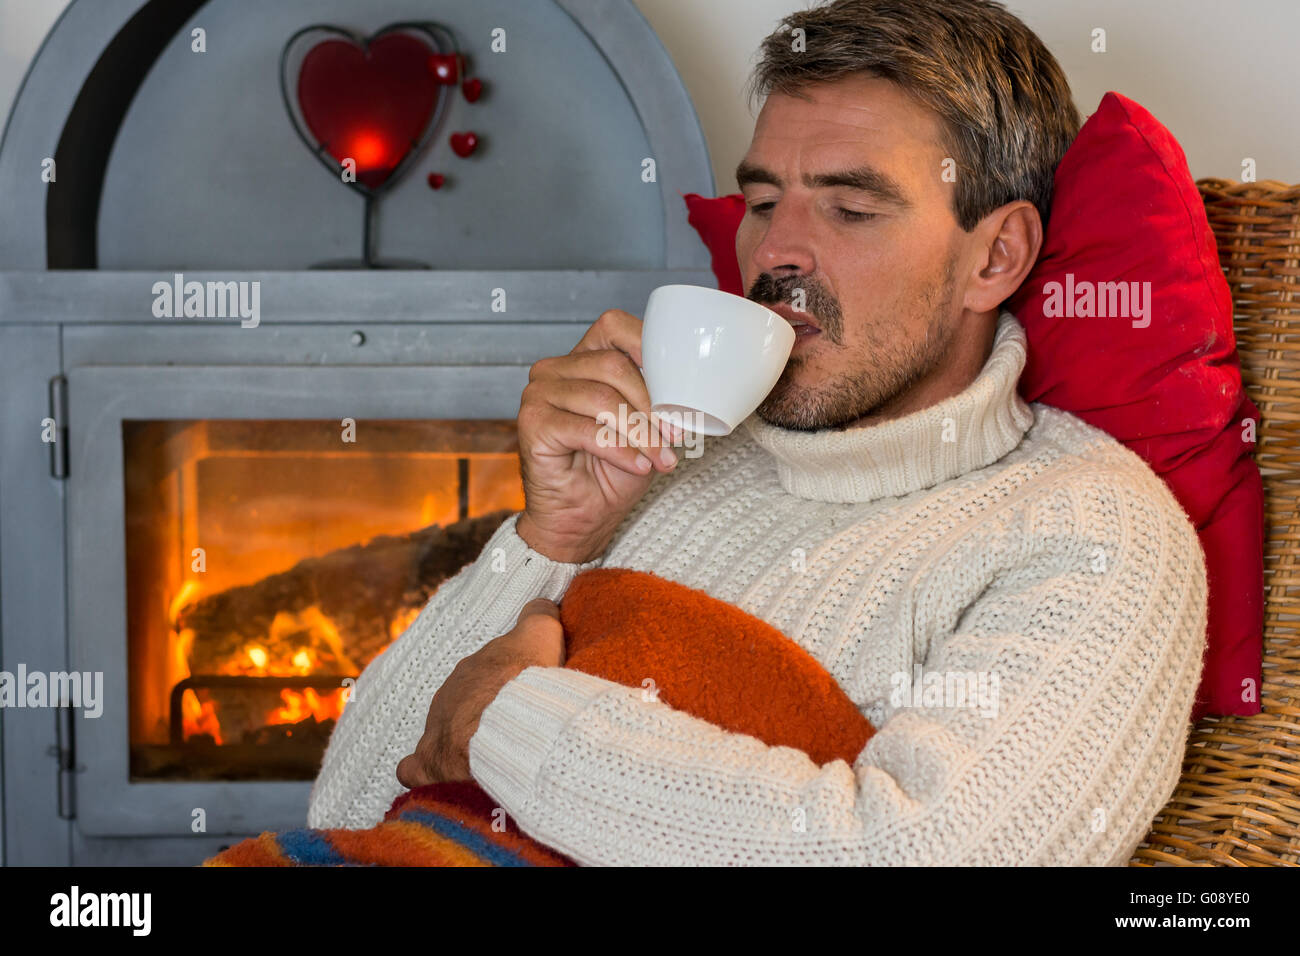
x=893, y=506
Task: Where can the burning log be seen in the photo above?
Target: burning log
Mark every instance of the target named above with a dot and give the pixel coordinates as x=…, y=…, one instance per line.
x=332, y=614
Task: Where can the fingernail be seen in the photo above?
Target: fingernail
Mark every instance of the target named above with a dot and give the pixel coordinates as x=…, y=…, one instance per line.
x=642, y=462
x=667, y=457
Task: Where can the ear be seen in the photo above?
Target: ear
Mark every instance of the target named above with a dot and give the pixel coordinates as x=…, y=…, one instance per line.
x=1009, y=239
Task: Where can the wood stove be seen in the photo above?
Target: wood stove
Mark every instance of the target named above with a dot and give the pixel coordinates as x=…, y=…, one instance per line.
x=229, y=521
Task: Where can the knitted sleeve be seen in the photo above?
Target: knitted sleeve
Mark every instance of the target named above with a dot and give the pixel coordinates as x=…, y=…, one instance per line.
x=1075, y=650
x=385, y=716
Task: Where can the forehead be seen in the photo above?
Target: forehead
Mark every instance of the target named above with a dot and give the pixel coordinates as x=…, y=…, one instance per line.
x=857, y=118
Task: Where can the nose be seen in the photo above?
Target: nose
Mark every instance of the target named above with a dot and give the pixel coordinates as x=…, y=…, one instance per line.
x=787, y=241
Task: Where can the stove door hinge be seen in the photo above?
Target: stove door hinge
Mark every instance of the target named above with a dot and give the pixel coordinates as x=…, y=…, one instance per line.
x=65, y=753
x=56, y=427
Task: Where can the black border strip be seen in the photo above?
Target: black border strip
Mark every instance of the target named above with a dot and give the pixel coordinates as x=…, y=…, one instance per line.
x=72, y=205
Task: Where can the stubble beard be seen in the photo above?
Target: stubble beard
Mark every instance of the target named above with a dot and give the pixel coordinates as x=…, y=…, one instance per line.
x=883, y=368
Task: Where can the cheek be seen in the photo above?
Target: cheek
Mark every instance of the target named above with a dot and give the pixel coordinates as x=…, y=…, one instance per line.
x=876, y=276
x=748, y=237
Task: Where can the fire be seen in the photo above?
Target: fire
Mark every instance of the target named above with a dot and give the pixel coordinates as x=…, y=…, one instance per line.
x=187, y=593
x=234, y=527
x=297, y=644
x=397, y=627
x=200, y=717
x=299, y=706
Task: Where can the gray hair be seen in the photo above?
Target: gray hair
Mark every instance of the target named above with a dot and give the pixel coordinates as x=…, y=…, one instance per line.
x=1004, y=102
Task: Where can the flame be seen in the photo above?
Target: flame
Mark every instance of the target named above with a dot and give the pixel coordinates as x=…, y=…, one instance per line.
x=288, y=630
x=199, y=717
x=180, y=655
x=299, y=706
x=397, y=627
x=303, y=660
x=188, y=591
x=304, y=641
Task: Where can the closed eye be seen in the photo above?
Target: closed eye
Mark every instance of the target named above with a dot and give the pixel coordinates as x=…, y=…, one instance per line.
x=849, y=215
x=846, y=215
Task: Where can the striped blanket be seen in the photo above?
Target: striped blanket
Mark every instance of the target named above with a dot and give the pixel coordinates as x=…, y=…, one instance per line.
x=444, y=824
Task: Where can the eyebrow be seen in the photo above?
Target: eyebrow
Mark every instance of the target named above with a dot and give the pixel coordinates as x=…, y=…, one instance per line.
x=864, y=178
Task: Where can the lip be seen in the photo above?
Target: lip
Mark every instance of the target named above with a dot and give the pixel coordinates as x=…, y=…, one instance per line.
x=792, y=316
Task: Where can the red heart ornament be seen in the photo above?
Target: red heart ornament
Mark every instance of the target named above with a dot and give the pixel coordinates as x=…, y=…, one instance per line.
x=372, y=105
x=463, y=144
x=445, y=68
x=473, y=89
x=436, y=180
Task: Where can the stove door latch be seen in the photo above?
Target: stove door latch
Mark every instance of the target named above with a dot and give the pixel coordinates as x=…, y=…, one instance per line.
x=64, y=752
x=55, y=428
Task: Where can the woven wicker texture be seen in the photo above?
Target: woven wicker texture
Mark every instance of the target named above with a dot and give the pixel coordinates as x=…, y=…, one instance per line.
x=1238, y=801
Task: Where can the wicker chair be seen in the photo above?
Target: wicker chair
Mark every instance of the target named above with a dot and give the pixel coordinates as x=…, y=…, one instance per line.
x=1238, y=801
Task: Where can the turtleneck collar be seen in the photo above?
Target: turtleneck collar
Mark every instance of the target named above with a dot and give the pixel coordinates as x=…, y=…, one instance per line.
x=981, y=424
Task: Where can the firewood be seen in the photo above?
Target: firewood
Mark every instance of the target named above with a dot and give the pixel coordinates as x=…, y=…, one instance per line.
x=362, y=589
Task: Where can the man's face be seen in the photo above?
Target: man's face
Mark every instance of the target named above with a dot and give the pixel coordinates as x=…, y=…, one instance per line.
x=878, y=266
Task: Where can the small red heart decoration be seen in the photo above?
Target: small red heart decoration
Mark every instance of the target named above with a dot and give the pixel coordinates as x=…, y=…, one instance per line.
x=371, y=105
x=436, y=180
x=473, y=89
x=445, y=67
x=463, y=144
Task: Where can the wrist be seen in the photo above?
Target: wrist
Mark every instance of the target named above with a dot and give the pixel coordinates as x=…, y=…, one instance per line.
x=554, y=547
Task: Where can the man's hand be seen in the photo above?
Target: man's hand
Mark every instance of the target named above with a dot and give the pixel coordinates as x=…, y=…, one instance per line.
x=443, y=752
x=579, y=481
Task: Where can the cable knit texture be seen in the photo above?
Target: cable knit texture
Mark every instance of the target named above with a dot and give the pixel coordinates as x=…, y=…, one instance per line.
x=981, y=542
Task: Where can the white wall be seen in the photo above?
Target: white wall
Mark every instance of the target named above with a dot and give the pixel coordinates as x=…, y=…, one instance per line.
x=1224, y=75
x=23, y=24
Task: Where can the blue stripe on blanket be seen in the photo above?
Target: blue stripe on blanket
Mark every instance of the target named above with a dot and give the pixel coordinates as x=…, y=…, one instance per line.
x=309, y=848
x=471, y=840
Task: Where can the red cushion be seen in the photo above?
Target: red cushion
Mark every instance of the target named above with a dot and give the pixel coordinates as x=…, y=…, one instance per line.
x=1168, y=387
x=717, y=221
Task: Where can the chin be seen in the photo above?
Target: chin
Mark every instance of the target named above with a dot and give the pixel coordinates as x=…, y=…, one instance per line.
x=792, y=410
x=833, y=404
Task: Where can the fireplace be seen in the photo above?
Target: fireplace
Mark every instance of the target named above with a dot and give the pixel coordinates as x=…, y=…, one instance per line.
x=268, y=562
x=227, y=522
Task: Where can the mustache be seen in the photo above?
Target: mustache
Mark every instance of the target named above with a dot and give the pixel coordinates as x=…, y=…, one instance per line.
x=767, y=289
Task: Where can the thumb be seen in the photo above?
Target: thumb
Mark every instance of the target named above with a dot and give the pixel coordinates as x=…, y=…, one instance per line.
x=539, y=606
x=539, y=633
x=411, y=772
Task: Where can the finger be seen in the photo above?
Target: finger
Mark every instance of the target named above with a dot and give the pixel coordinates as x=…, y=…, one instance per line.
x=609, y=366
x=538, y=639
x=599, y=402
x=614, y=329
x=614, y=368
x=411, y=773
x=569, y=432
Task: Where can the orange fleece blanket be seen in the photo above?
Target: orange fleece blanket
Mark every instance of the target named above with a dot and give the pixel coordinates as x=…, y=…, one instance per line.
x=694, y=652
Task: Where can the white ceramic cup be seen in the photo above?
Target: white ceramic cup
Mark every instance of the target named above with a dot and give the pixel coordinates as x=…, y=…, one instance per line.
x=710, y=357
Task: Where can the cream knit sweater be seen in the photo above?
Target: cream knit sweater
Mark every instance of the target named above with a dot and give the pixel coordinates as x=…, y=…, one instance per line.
x=982, y=545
